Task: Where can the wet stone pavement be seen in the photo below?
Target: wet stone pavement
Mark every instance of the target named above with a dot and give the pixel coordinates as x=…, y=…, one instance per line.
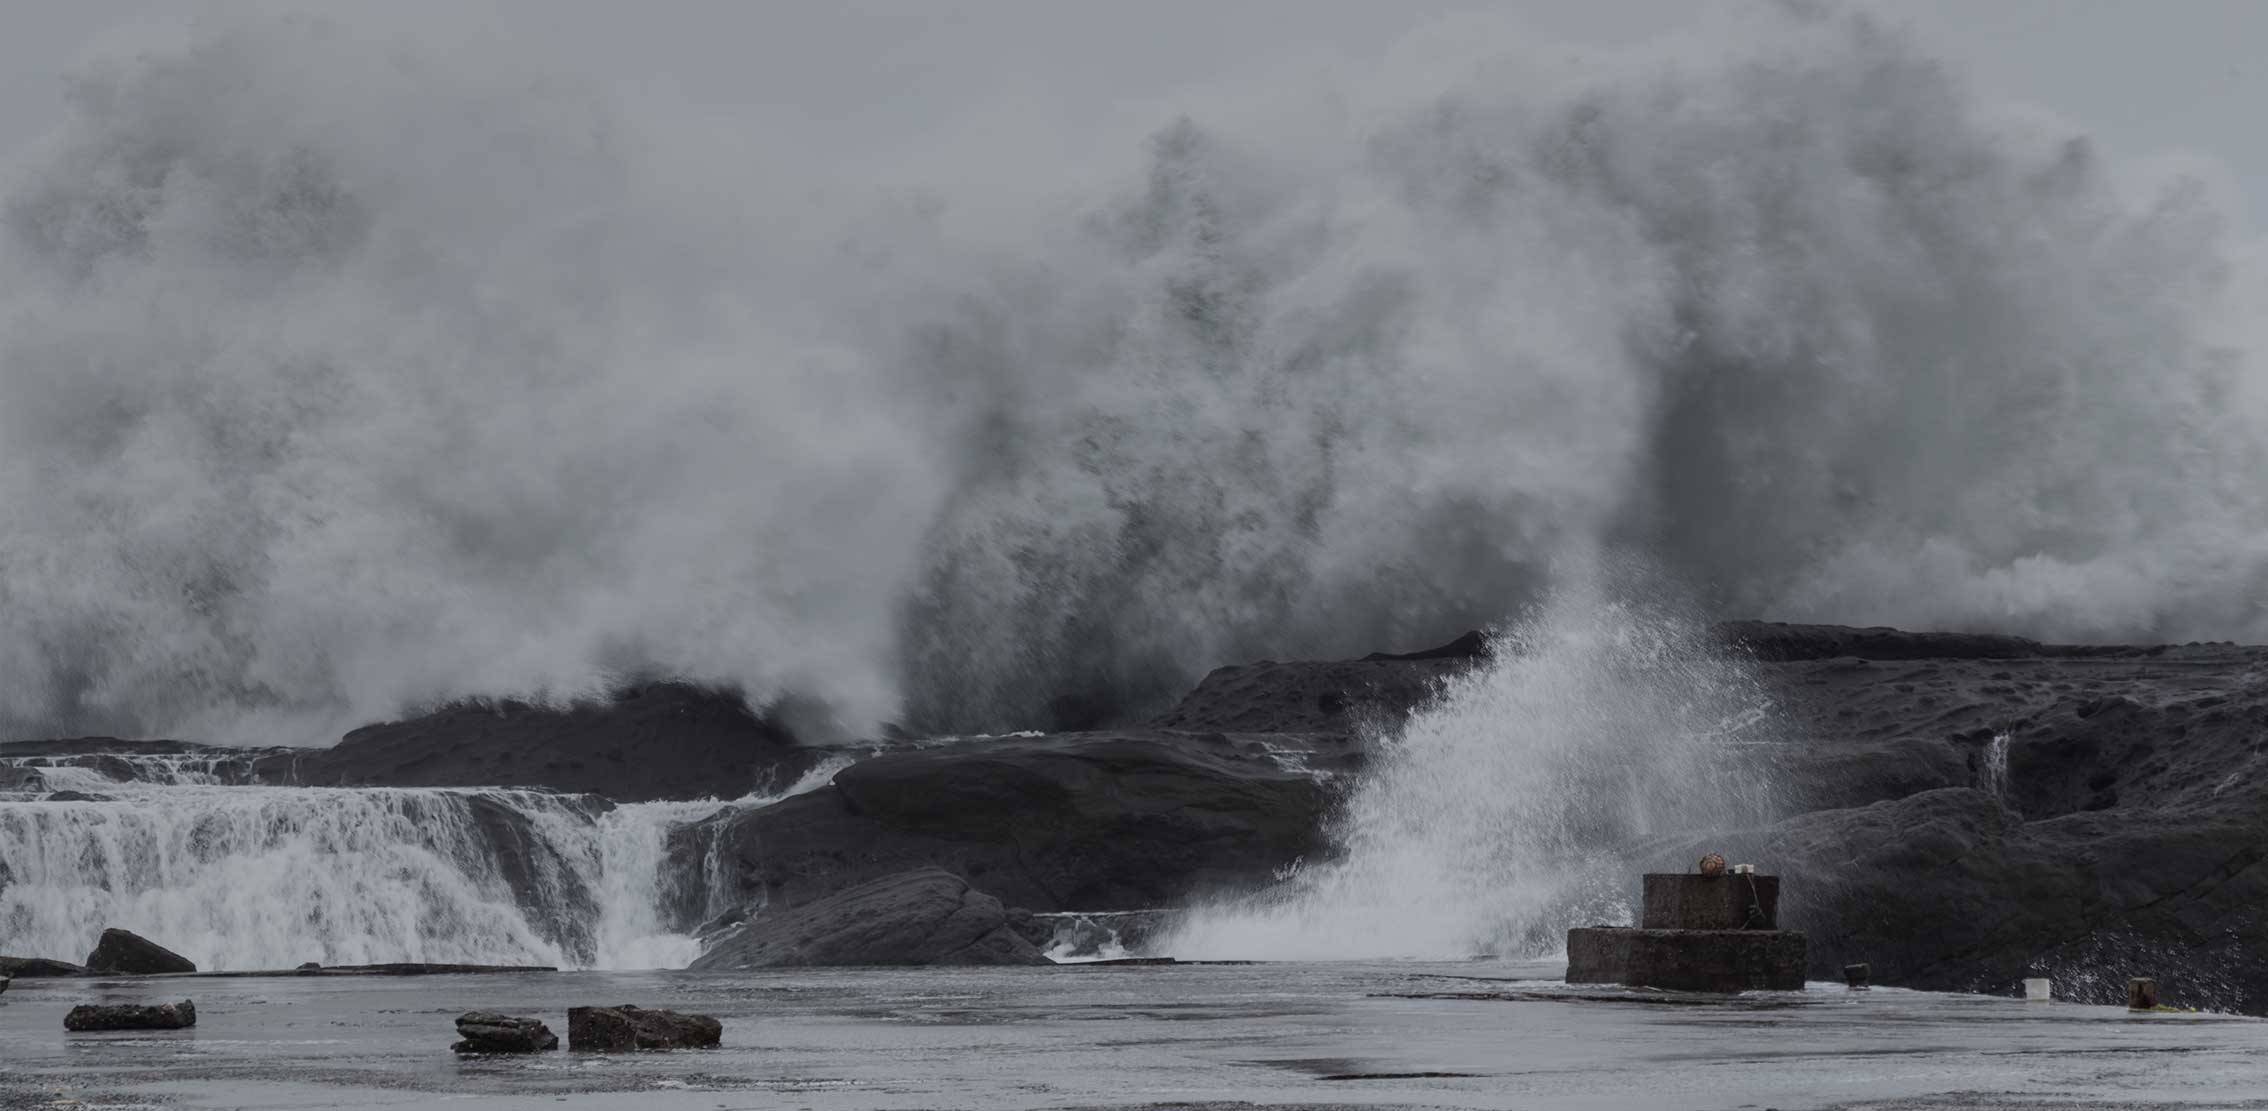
x=1473, y=1035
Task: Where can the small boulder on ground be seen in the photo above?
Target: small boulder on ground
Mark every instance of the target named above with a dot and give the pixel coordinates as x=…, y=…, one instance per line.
x=126, y=951
x=34, y=967
x=926, y=916
x=129, y=1016
x=4, y=982
x=605, y=1029
x=489, y=1032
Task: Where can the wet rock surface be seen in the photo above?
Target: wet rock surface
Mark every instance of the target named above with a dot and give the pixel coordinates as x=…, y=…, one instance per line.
x=39, y=967
x=1085, y=821
x=627, y=1027
x=126, y=951
x=923, y=917
x=2083, y=812
x=665, y=740
x=122, y=1016
x=490, y=1032
x=2004, y=810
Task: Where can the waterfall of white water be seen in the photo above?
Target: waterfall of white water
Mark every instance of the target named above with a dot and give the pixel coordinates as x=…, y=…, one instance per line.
x=1996, y=766
x=263, y=877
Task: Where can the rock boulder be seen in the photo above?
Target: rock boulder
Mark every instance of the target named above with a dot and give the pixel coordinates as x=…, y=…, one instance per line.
x=660, y=741
x=35, y=967
x=106, y=1016
x=623, y=1027
x=924, y=917
x=1083, y=821
x=129, y=952
x=490, y=1032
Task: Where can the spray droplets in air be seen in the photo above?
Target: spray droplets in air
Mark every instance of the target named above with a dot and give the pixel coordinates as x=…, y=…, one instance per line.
x=339, y=377
x=1498, y=816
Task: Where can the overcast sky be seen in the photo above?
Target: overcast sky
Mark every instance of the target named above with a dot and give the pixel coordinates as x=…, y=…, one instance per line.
x=2146, y=80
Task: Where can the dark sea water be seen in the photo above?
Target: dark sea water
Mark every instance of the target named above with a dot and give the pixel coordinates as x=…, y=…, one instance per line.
x=1479, y=1035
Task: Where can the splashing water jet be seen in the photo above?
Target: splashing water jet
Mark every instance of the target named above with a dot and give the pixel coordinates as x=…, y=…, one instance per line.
x=1498, y=815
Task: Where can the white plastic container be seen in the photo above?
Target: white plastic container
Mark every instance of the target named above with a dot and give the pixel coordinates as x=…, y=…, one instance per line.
x=2036, y=990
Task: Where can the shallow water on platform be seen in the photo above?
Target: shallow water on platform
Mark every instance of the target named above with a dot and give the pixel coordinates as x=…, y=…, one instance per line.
x=1481, y=1034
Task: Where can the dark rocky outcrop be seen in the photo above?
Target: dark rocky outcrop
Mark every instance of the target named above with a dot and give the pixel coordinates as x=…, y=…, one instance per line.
x=1335, y=696
x=490, y=1032
x=1966, y=808
x=924, y=917
x=624, y=1027
x=1092, y=821
x=126, y=951
x=1972, y=818
x=1973, y=808
x=38, y=967
x=122, y=1016
x=662, y=741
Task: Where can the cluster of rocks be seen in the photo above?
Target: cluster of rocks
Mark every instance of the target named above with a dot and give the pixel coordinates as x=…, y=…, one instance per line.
x=589, y=1030
x=117, y=952
x=2066, y=808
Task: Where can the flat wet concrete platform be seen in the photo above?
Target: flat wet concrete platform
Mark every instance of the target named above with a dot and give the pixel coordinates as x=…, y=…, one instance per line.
x=1472, y=1035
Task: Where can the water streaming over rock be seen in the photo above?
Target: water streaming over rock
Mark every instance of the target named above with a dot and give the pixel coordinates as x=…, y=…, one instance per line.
x=1995, y=770
x=265, y=876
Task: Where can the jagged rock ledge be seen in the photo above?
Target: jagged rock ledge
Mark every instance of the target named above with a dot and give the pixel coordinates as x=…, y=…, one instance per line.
x=2076, y=811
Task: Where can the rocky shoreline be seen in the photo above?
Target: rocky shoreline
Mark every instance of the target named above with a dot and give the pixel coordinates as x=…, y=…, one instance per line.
x=1966, y=809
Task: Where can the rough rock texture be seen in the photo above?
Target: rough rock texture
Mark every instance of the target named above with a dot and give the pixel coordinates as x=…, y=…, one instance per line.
x=610, y=1029
x=2082, y=812
x=106, y=1016
x=923, y=917
x=489, y=1032
x=35, y=967
x=1087, y=821
x=1973, y=808
x=1982, y=809
x=126, y=951
x=1330, y=696
x=664, y=741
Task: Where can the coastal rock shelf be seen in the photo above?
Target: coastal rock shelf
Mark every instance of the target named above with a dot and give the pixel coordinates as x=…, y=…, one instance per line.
x=2087, y=813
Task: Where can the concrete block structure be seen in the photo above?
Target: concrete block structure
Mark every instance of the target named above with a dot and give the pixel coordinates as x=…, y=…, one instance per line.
x=1696, y=933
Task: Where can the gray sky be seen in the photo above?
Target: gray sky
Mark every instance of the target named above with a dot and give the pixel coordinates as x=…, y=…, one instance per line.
x=2144, y=79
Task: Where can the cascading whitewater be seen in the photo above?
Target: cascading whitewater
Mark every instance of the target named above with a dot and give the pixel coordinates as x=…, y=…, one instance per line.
x=264, y=877
x=339, y=375
x=1498, y=815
